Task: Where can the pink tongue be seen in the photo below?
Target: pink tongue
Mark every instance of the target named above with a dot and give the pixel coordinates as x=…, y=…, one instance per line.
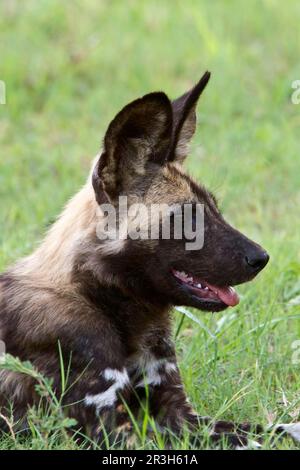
x=227, y=294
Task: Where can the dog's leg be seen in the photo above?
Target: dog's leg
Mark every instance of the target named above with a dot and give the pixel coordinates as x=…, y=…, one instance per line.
x=157, y=376
x=170, y=407
x=172, y=411
x=159, y=379
x=95, y=402
x=106, y=391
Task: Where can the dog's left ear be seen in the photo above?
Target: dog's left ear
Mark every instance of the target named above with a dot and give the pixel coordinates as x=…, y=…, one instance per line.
x=140, y=135
x=184, y=119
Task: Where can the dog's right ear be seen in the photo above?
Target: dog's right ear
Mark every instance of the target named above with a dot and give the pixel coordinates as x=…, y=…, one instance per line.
x=184, y=119
x=139, y=134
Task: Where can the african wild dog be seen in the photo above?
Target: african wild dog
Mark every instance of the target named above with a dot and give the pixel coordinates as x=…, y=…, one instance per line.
x=109, y=303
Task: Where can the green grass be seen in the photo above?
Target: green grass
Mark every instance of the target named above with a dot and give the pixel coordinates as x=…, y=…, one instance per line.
x=70, y=66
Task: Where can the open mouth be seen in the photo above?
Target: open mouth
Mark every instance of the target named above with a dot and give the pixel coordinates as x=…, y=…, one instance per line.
x=205, y=291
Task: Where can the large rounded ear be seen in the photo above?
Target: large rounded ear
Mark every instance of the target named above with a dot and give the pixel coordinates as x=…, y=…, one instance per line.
x=139, y=134
x=184, y=120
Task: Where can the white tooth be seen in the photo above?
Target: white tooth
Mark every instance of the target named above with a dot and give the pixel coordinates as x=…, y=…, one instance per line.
x=206, y=288
x=199, y=286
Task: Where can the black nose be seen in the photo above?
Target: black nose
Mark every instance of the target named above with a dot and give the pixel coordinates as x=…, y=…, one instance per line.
x=257, y=259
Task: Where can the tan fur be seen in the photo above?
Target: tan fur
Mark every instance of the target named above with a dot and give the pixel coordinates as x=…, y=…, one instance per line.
x=53, y=261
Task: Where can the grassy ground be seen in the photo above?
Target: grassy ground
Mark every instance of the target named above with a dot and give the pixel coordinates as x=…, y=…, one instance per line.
x=70, y=66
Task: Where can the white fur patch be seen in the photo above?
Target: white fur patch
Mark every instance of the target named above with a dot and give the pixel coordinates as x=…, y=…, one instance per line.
x=170, y=367
x=109, y=397
x=293, y=429
x=251, y=446
x=152, y=373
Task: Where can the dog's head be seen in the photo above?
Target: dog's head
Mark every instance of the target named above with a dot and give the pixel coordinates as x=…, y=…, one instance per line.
x=144, y=148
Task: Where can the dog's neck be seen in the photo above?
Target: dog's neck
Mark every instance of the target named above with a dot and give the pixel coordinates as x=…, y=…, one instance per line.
x=69, y=259
x=52, y=263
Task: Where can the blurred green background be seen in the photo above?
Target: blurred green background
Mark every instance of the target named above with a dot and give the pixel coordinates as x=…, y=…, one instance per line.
x=70, y=66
